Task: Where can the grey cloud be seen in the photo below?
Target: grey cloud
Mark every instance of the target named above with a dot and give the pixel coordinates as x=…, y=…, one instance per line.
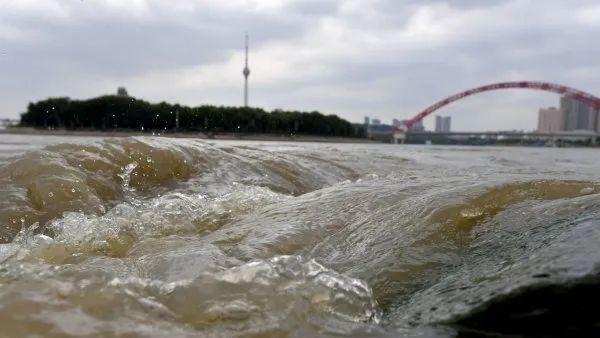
x=373, y=64
x=314, y=7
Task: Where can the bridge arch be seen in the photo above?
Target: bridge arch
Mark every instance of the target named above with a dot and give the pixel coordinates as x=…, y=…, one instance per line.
x=582, y=96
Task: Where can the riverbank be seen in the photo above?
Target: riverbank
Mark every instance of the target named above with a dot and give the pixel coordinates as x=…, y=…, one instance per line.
x=200, y=135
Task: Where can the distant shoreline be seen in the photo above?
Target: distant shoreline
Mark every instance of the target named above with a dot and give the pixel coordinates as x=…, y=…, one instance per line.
x=199, y=135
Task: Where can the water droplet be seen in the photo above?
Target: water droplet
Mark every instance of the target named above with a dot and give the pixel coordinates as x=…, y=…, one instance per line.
x=72, y=189
x=51, y=194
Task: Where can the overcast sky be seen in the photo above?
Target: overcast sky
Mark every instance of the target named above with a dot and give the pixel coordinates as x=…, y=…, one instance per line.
x=382, y=58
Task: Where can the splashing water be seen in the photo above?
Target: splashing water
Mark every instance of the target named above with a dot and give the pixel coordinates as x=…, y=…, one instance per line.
x=126, y=176
x=179, y=237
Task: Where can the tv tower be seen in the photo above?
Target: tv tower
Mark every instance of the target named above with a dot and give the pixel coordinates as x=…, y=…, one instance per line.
x=246, y=72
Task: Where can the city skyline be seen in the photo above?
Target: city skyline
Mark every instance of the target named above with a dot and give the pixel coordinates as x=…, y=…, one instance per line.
x=350, y=58
x=571, y=115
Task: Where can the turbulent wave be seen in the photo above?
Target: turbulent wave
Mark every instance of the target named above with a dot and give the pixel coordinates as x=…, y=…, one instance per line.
x=179, y=237
x=85, y=178
x=267, y=297
x=92, y=178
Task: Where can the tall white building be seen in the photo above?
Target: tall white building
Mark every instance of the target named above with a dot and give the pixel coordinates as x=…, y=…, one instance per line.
x=550, y=120
x=442, y=124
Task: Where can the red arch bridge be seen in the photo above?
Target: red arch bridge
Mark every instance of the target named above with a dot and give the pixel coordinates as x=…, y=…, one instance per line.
x=589, y=99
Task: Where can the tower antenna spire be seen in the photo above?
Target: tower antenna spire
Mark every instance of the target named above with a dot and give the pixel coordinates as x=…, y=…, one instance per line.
x=246, y=72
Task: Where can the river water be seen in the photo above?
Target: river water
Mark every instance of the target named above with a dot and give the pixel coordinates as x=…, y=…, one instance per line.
x=154, y=236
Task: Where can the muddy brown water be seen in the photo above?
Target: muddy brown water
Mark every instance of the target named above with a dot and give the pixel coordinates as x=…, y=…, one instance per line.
x=146, y=236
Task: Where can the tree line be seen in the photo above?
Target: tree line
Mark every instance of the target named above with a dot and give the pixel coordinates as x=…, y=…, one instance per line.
x=113, y=112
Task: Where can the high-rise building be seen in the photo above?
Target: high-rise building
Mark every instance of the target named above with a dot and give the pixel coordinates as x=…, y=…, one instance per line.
x=367, y=120
x=442, y=124
x=578, y=115
x=246, y=73
x=447, y=124
x=550, y=120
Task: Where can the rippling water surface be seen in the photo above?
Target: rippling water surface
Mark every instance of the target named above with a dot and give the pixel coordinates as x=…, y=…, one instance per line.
x=163, y=237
